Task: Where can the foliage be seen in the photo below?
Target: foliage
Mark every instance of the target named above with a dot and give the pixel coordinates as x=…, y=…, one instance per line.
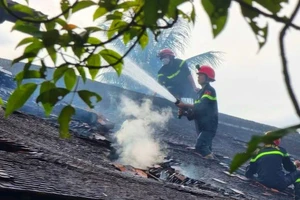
x=133, y=22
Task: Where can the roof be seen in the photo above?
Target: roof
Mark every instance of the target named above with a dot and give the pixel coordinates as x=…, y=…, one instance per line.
x=43, y=163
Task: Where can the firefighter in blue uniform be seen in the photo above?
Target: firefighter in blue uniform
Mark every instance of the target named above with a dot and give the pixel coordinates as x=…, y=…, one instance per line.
x=176, y=76
x=268, y=164
x=204, y=111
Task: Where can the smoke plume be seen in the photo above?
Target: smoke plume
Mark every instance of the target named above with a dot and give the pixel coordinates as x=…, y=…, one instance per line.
x=138, y=147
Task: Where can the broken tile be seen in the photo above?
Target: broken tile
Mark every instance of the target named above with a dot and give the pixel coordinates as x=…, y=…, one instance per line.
x=266, y=194
x=274, y=190
x=218, y=180
x=119, y=167
x=141, y=173
x=180, y=177
x=242, y=177
x=237, y=191
x=226, y=172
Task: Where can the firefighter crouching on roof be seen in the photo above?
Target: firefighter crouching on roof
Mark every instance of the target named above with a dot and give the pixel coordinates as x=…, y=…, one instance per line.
x=267, y=164
x=176, y=76
x=204, y=111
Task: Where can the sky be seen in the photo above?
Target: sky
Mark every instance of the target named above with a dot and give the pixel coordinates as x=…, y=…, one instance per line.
x=249, y=82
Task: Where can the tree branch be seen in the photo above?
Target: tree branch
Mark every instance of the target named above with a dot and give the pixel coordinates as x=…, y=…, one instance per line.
x=38, y=21
x=284, y=60
x=275, y=17
x=109, y=65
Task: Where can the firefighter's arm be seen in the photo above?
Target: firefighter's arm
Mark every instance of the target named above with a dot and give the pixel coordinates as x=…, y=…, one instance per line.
x=288, y=163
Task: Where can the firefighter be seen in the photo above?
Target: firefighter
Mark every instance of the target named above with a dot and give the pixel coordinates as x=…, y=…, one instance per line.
x=268, y=164
x=204, y=111
x=176, y=76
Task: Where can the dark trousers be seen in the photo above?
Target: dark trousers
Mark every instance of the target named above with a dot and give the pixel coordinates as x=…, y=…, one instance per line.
x=294, y=178
x=204, y=142
x=289, y=179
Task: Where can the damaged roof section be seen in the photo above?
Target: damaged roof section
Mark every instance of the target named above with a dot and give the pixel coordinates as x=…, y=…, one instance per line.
x=74, y=167
x=81, y=166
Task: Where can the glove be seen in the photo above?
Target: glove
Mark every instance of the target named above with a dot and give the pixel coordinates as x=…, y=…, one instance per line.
x=297, y=163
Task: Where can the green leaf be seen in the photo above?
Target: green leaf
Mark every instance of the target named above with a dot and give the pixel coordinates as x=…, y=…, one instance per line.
x=50, y=25
x=50, y=96
x=26, y=41
x=82, y=73
x=128, y=5
x=170, y=9
x=50, y=38
x=86, y=96
x=23, y=9
x=19, y=97
x=1, y=101
x=59, y=72
x=217, y=11
x=112, y=57
x=143, y=41
x=82, y=5
x=70, y=78
x=43, y=69
x=253, y=145
x=78, y=50
x=64, y=119
x=116, y=25
x=64, y=5
x=46, y=86
x=34, y=48
x=28, y=74
x=61, y=22
x=26, y=27
x=93, y=29
x=52, y=53
x=93, y=40
x=29, y=56
x=261, y=33
x=117, y=15
x=238, y=160
x=94, y=60
x=193, y=14
x=99, y=13
x=273, y=6
x=150, y=11
x=130, y=34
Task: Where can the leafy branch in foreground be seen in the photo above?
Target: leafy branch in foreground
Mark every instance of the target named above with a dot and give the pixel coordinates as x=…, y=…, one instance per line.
x=240, y=158
x=81, y=51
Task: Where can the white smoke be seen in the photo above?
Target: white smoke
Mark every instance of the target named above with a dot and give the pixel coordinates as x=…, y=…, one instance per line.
x=138, y=147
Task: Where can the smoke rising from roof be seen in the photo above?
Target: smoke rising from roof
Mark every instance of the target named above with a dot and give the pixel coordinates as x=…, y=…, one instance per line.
x=138, y=147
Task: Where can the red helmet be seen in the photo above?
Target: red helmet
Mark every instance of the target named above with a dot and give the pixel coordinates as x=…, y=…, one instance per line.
x=277, y=141
x=165, y=52
x=208, y=71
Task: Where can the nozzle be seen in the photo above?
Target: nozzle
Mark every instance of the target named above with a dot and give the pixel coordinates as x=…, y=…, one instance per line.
x=177, y=101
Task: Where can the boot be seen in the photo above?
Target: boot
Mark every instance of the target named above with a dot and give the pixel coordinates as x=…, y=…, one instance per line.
x=297, y=189
x=210, y=156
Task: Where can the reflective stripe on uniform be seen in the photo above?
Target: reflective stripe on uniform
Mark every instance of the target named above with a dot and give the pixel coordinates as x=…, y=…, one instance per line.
x=159, y=75
x=209, y=97
x=197, y=101
x=298, y=180
x=268, y=153
x=177, y=72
